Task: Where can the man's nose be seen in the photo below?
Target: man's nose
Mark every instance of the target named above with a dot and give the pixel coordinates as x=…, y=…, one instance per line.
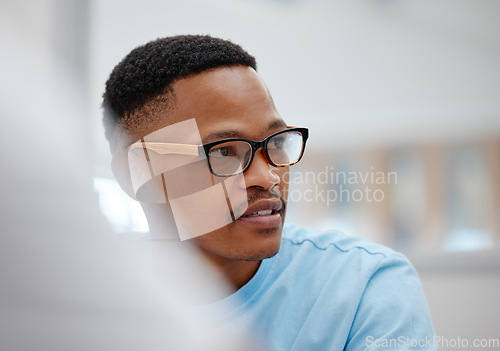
x=261, y=173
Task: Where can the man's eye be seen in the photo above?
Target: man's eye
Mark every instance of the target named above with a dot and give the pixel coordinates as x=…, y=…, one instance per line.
x=276, y=142
x=223, y=151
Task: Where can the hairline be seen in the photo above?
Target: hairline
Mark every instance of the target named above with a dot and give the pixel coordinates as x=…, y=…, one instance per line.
x=121, y=136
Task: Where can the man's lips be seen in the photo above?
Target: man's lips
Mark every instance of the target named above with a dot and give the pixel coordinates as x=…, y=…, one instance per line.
x=263, y=207
x=264, y=213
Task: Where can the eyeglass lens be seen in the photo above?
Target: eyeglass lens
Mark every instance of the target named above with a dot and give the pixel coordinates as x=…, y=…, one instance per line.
x=232, y=157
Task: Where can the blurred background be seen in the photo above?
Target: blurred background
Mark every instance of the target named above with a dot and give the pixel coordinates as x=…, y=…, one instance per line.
x=402, y=99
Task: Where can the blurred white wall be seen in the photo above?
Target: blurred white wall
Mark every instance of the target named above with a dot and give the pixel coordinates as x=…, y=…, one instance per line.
x=361, y=75
x=356, y=72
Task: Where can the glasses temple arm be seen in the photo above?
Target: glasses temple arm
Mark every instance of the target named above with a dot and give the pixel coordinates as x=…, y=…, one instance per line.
x=169, y=148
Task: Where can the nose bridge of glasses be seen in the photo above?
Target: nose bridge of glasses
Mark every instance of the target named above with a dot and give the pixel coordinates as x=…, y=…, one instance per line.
x=257, y=146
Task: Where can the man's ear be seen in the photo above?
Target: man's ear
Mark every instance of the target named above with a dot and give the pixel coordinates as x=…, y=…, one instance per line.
x=121, y=171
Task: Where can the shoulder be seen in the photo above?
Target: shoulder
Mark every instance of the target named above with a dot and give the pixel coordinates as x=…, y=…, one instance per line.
x=337, y=248
x=330, y=260
x=369, y=289
x=356, y=262
x=324, y=279
x=337, y=240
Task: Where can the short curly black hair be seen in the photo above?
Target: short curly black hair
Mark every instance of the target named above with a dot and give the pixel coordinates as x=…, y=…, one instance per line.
x=149, y=71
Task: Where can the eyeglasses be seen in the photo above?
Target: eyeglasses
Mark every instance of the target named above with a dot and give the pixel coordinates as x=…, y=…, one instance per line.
x=233, y=156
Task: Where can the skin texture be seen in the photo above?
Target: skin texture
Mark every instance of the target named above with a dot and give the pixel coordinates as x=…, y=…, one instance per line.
x=228, y=102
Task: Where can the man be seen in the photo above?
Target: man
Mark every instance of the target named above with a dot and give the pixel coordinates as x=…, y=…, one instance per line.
x=197, y=140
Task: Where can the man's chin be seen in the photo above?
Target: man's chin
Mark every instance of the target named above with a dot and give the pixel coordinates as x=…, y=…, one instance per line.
x=240, y=243
x=264, y=256
x=264, y=244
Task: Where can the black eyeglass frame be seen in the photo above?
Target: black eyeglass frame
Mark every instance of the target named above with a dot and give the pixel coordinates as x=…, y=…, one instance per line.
x=256, y=145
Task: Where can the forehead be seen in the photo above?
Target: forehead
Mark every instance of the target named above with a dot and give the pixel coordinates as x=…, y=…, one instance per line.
x=225, y=102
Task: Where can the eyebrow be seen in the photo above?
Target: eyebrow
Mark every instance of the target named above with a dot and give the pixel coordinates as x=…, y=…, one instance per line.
x=226, y=134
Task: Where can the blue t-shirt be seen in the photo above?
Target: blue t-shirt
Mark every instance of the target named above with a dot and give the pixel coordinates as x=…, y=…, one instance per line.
x=329, y=291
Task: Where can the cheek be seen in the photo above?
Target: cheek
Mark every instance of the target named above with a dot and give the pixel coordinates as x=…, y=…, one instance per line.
x=189, y=179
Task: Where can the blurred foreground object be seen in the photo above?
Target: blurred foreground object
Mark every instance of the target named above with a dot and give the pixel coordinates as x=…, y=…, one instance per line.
x=67, y=283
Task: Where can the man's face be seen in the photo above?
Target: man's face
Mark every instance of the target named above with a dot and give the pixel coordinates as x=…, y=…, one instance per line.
x=235, y=103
